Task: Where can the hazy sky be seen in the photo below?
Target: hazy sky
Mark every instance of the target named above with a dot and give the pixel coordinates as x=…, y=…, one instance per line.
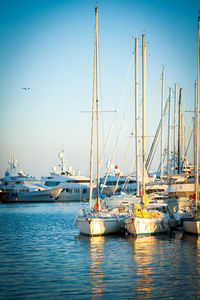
x=47, y=45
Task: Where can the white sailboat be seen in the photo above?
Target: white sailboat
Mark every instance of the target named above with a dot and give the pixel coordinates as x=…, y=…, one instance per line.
x=192, y=224
x=97, y=221
x=141, y=221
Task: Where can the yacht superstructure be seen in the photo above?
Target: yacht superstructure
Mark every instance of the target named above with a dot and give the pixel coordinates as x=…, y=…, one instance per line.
x=74, y=187
x=24, y=188
x=117, y=183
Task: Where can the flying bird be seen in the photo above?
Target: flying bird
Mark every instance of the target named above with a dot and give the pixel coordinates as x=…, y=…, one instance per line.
x=25, y=88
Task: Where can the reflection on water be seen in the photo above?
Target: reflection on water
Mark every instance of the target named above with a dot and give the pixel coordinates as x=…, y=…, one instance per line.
x=143, y=256
x=42, y=256
x=192, y=244
x=95, y=271
x=168, y=265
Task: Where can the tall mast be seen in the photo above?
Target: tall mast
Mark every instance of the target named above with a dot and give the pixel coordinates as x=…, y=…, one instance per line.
x=194, y=128
x=136, y=114
x=169, y=123
x=162, y=117
x=179, y=133
x=143, y=110
x=97, y=103
x=194, y=124
x=175, y=104
x=197, y=125
x=93, y=113
x=185, y=147
x=195, y=145
x=182, y=140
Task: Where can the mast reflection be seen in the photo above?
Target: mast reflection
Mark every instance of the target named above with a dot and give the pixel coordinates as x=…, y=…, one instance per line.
x=96, y=255
x=143, y=256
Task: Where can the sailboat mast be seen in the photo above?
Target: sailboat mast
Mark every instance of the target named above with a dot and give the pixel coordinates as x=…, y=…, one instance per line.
x=97, y=102
x=136, y=114
x=175, y=104
x=143, y=110
x=93, y=114
x=182, y=140
x=197, y=125
x=185, y=147
x=179, y=133
x=194, y=127
x=162, y=117
x=169, y=123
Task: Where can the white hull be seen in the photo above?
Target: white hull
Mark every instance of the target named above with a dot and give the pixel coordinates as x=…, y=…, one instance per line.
x=191, y=225
x=142, y=226
x=121, y=200
x=98, y=226
x=181, y=187
x=154, y=187
x=180, y=215
x=34, y=196
x=73, y=196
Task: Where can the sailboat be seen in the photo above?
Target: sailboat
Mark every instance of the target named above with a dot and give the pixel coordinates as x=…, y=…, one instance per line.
x=192, y=224
x=97, y=221
x=141, y=221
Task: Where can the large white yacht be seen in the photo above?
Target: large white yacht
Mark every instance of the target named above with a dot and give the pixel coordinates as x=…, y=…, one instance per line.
x=24, y=188
x=74, y=187
x=116, y=182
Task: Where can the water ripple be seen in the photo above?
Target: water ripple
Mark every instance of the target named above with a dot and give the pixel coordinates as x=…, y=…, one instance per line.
x=43, y=256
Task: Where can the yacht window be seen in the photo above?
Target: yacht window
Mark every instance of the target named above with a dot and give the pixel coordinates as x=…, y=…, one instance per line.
x=78, y=181
x=51, y=183
x=111, y=182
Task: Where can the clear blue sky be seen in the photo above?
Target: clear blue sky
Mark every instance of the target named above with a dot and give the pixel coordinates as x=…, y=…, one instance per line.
x=47, y=45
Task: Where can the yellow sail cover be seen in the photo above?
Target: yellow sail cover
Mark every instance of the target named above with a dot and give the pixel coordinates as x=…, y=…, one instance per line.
x=139, y=212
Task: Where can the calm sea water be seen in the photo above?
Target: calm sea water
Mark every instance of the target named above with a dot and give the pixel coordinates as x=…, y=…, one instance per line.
x=42, y=256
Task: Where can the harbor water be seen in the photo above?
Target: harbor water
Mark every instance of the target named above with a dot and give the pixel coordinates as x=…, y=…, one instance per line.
x=42, y=256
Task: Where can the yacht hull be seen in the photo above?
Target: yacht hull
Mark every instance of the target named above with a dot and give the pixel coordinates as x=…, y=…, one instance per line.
x=3, y=195
x=33, y=196
x=191, y=225
x=74, y=196
x=94, y=226
x=121, y=201
x=142, y=226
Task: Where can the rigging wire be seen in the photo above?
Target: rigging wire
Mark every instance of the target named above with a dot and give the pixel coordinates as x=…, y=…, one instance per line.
x=121, y=127
x=125, y=155
x=123, y=162
x=129, y=175
x=154, y=98
x=155, y=148
x=114, y=117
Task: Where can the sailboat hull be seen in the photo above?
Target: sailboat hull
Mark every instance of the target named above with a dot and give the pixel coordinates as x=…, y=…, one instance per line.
x=191, y=225
x=98, y=226
x=142, y=226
